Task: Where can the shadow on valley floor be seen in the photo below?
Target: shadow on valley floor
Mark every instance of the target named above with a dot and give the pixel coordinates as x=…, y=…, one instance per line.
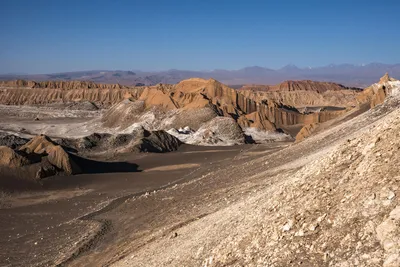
x=23, y=178
x=90, y=166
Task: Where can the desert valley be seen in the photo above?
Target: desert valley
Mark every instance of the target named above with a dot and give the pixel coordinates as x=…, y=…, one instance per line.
x=199, y=133
x=300, y=173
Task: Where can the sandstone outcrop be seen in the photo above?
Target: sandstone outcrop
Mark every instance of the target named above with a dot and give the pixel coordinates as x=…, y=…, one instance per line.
x=56, y=155
x=306, y=131
x=271, y=110
x=22, y=92
x=66, y=85
x=386, y=78
x=39, y=145
x=304, y=93
x=194, y=102
x=156, y=97
x=299, y=99
x=250, y=111
x=103, y=97
x=12, y=159
x=376, y=93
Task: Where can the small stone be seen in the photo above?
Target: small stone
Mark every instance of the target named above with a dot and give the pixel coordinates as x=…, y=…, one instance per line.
x=313, y=227
x=391, y=195
x=299, y=233
x=321, y=218
x=395, y=214
x=287, y=226
x=377, y=140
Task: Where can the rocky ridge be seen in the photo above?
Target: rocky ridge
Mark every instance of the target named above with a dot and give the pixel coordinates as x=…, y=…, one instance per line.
x=376, y=93
x=190, y=103
x=304, y=93
x=195, y=94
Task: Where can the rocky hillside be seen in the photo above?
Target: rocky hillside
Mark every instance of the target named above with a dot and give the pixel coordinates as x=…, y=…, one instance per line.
x=331, y=200
x=304, y=93
x=369, y=98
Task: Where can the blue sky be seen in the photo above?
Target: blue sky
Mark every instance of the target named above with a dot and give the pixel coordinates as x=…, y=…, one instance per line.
x=50, y=36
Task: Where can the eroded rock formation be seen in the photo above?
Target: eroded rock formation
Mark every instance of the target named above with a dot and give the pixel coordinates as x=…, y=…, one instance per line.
x=304, y=93
x=306, y=131
x=276, y=108
x=376, y=93
x=22, y=92
x=11, y=158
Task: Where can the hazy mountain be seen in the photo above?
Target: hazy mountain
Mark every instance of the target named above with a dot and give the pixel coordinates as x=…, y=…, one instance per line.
x=347, y=74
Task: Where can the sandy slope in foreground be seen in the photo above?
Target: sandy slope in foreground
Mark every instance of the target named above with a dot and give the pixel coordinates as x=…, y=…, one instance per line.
x=331, y=200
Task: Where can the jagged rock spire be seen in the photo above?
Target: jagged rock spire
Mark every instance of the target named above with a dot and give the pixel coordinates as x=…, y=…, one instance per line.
x=386, y=78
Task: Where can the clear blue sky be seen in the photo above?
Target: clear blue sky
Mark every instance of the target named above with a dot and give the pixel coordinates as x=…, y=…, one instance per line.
x=39, y=36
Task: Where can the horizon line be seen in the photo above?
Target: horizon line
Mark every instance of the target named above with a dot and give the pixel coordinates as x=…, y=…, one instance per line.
x=217, y=69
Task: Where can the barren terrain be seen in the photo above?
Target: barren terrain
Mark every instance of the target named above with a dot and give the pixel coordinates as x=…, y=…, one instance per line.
x=330, y=199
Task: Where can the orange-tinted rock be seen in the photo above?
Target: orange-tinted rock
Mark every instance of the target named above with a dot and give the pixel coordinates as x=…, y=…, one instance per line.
x=304, y=93
x=58, y=157
x=11, y=158
x=38, y=145
x=155, y=97
x=66, y=85
x=376, y=93
x=386, y=78
x=22, y=92
x=250, y=109
x=306, y=131
x=256, y=120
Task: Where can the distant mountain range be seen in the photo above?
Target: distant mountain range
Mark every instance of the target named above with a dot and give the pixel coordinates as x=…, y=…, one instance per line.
x=347, y=74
